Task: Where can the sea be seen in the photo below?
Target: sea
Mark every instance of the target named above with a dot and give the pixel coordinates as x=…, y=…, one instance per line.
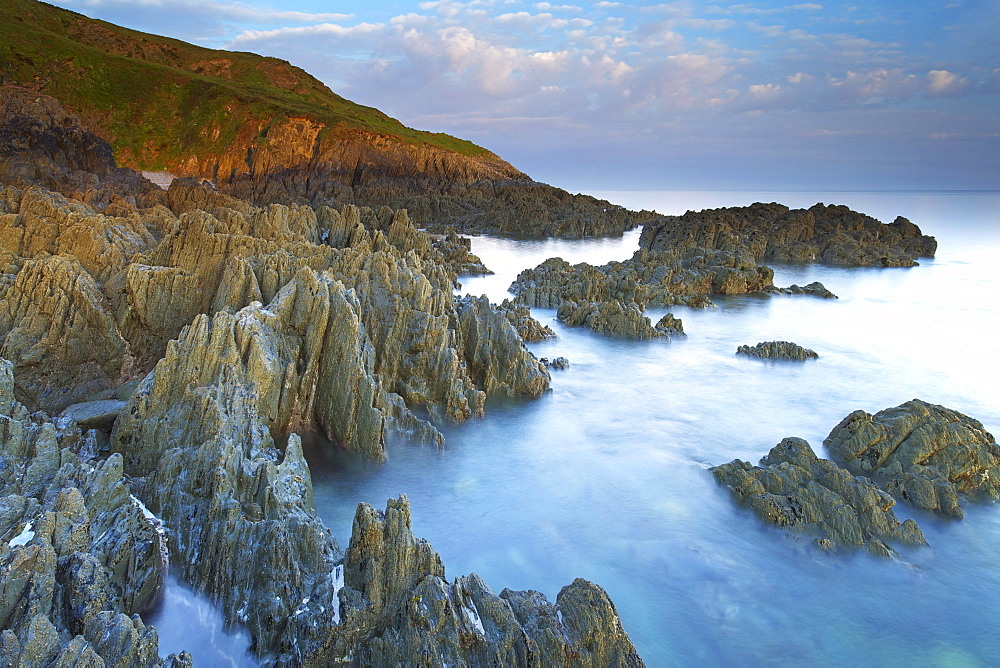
x=606, y=476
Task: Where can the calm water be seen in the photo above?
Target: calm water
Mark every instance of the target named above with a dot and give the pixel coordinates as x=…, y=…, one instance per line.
x=605, y=477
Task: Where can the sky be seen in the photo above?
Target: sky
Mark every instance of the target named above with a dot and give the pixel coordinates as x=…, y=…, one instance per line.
x=599, y=95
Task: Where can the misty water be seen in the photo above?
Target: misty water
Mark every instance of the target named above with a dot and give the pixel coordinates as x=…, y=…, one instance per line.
x=605, y=477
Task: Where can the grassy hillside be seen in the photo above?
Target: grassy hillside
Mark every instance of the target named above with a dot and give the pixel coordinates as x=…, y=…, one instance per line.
x=159, y=100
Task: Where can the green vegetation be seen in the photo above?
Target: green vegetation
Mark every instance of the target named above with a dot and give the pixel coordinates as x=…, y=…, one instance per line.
x=159, y=100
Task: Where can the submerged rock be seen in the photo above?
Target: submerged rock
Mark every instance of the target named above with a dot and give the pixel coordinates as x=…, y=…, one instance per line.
x=785, y=350
x=794, y=489
x=772, y=232
x=922, y=453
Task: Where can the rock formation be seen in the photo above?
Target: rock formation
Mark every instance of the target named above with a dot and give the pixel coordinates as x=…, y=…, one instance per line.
x=527, y=327
x=785, y=350
x=921, y=453
x=617, y=319
x=832, y=235
x=396, y=605
x=648, y=278
x=816, y=289
x=797, y=491
x=80, y=557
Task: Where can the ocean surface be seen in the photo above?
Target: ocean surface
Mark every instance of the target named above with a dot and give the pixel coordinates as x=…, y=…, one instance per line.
x=605, y=477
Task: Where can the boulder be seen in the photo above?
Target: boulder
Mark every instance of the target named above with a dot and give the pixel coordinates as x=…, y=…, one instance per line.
x=922, y=453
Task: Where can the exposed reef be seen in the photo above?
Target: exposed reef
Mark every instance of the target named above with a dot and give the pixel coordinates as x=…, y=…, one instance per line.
x=832, y=235
x=794, y=489
x=924, y=454
x=785, y=350
x=815, y=289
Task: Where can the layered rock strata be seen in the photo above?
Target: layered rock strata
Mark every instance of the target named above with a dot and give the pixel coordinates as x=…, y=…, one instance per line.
x=783, y=350
x=832, y=235
x=648, y=278
x=80, y=556
x=922, y=453
x=617, y=319
x=530, y=330
x=795, y=490
x=397, y=605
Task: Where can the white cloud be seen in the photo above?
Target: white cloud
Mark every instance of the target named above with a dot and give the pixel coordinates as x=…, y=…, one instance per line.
x=942, y=83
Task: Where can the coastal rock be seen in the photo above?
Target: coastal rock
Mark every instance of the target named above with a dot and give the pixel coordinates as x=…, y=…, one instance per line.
x=922, y=453
x=614, y=318
x=832, y=235
x=794, y=489
x=456, y=252
x=396, y=604
x=99, y=414
x=815, y=288
x=784, y=350
x=555, y=363
x=57, y=328
x=648, y=278
x=530, y=330
x=78, y=556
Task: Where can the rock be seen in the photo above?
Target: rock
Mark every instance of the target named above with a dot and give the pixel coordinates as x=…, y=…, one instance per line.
x=785, y=350
x=78, y=556
x=795, y=490
x=815, y=288
x=557, y=363
x=456, y=252
x=95, y=414
x=669, y=326
x=648, y=278
x=397, y=605
x=612, y=318
x=922, y=453
x=530, y=330
x=771, y=232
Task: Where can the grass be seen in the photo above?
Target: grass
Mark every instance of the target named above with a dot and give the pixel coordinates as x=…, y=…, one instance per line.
x=160, y=100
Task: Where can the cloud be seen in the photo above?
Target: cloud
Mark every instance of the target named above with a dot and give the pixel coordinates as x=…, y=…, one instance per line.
x=942, y=83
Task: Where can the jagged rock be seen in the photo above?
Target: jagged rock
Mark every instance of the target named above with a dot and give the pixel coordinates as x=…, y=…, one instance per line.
x=397, y=605
x=797, y=491
x=613, y=318
x=527, y=327
x=922, y=453
x=57, y=329
x=78, y=556
x=784, y=350
x=815, y=288
x=456, y=252
x=772, y=232
x=669, y=326
x=648, y=278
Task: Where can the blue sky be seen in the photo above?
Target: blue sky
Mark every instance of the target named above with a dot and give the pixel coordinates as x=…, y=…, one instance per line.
x=602, y=95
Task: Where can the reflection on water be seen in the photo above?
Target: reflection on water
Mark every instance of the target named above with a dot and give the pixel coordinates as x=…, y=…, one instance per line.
x=604, y=477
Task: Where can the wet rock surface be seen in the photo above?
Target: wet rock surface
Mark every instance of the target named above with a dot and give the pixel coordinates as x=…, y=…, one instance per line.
x=795, y=490
x=924, y=454
x=833, y=235
x=782, y=350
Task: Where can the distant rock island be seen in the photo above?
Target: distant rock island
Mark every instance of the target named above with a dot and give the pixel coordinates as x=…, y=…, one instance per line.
x=783, y=350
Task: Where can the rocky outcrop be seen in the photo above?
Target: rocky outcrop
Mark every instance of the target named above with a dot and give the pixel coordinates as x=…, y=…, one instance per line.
x=617, y=319
x=456, y=252
x=648, y=278
x=783, y=350
x=924, y=454
x=801, y=493
x=79, y=555
x=832, y=235
x=396, y=605
x=530, y=330
x=815, y=288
